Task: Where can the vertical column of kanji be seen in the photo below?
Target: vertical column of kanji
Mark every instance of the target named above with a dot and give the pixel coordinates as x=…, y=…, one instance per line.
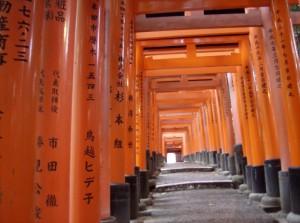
x=257, y=149
x=53, y=120
x=120, y=194
x=131, y=92
x=274, y=80
x=118, y=92
x=86, y=106
x=138, y=107
x=238, y=80
x=272, y=160
x=289, y=75
x=17, y=99
x=128, y=168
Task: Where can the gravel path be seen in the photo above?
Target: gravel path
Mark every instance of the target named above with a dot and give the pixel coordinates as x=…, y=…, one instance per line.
x=204, y=205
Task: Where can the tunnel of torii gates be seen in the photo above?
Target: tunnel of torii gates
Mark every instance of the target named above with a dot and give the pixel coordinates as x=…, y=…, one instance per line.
x=90, y=90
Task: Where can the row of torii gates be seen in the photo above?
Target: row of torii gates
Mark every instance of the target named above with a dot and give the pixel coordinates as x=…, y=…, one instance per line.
x=90, y=89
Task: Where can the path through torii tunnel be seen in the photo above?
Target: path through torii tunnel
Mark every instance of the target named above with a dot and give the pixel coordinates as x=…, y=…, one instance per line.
x=96, y=96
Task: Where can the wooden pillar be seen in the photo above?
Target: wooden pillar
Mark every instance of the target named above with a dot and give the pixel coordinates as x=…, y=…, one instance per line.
x=255, y=139
x=289, y=75
x=257, y=149
x=215, y=121
x=289, y=80
x=118, y=97
x=234, y=108
x=145, y=121
x=19, y=58
x=262, y=95
x=130, y=70
x=140, y=151
x=105, y=115
x=53, y=117
x=238, y=80
x=274, y=80
x=86, y=121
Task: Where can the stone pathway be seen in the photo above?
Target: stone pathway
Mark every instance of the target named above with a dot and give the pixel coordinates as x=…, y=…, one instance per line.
x=203, y=205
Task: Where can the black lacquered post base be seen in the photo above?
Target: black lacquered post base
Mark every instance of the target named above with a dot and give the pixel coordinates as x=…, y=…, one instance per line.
x=231, y=164
x=271, y=201
x=219, y=160
x=144, y=181
x=294, y=178
x=132, y=181
x=258, y=183
x=249, y=177
x=120, y=202
x=138, y=178
x=238, y=159
x=284, y=187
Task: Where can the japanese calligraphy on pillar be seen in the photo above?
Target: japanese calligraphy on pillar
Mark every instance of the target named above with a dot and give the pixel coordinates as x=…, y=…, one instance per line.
x=55, y=10
x=119, y=89
x=243, y=93
x=24, y=27
x=258, y=55
x=270, y=36
x=131, y=77
x=5, y=8
x=53, y=106
x=91, y=97
x=249, y=87
x=291, y=85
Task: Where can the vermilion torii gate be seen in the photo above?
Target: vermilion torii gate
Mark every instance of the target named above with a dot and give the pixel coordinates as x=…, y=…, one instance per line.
x=89, y=88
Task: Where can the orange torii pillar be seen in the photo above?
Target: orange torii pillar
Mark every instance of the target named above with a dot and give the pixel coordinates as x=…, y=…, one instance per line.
x=206, y=128
x=289, y=75
x=220, y=127
x=272, y=158
x=238, y=150
x=131, y=172
x=226, y=115
x=86, y=121
x=53, y=112
x=140, y=152
x=197, y=137
x=257, y=148
x=223, y=155
x=118, y=41
x=240, y=93
x=217, y=126
x=142, y=98
x=274, y=80
x=152, y=124
x=19, y=57
x=202, y=135
x=212, y=131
